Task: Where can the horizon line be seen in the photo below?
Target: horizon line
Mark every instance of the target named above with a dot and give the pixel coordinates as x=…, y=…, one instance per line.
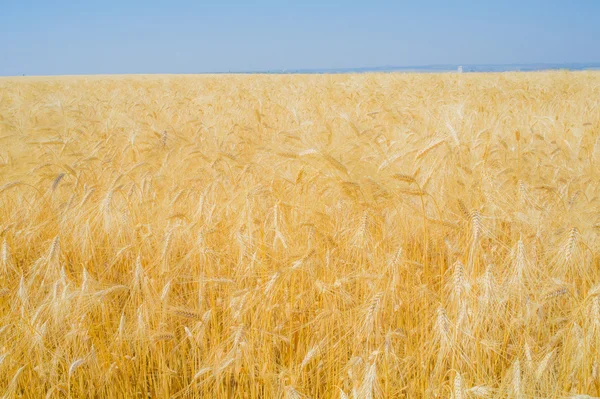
x=425, y=68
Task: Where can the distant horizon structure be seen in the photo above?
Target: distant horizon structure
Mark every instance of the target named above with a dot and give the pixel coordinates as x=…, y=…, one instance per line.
x=460, y=69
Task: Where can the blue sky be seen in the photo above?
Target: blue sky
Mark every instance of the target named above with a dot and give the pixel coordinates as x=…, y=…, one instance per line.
x=112, y=36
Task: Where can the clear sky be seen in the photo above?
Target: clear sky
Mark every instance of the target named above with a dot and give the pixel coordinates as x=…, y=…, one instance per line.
x=118, y=36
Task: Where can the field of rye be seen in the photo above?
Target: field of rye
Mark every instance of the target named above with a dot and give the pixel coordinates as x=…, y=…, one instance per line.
x=317, y=236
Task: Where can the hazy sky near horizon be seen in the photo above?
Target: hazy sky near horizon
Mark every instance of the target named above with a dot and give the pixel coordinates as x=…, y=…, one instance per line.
x=111, y=36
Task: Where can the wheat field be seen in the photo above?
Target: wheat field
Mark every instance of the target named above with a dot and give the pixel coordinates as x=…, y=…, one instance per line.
x=311, y=236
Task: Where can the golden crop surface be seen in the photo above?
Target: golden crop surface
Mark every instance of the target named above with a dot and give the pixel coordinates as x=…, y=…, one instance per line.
x=345, y=236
